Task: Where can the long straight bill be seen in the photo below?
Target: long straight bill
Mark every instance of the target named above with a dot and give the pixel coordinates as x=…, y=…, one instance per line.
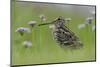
x=44, y=24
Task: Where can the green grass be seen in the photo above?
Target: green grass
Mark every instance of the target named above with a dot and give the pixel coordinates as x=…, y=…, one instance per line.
x=44, y=48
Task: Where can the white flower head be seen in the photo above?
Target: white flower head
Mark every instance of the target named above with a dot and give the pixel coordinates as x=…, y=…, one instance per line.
x=88, y=20
x=27, y=43
x=42, y=17
x=93, y=27
x=21, y=30
x=32, y=23
x=80, y=26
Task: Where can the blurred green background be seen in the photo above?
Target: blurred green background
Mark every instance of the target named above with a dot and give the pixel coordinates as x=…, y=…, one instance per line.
x=44, y=48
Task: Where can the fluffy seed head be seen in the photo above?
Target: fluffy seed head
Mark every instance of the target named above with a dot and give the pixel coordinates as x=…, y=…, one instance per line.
x=80, y=26
x=68, y=19
x=27, y=43
x=32, y=23
x=52, y=27
x=88, y=20
x=42, y=17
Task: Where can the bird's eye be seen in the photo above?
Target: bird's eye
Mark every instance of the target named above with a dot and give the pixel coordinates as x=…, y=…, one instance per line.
x=58, y=18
